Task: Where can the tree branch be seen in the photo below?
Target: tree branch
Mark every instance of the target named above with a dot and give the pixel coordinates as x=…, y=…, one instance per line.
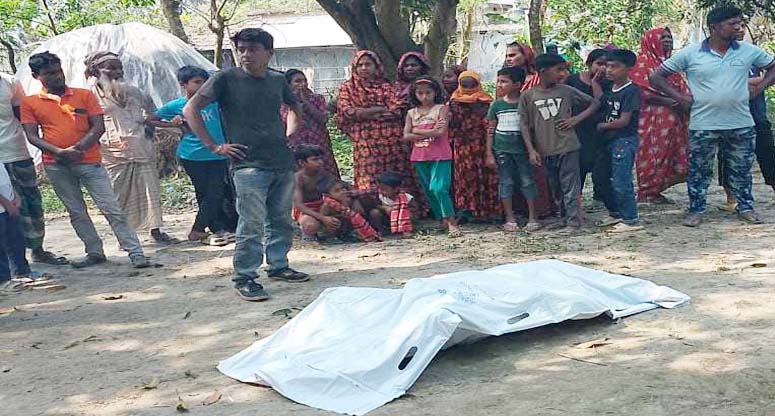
x=442, y=27
x=11, y=54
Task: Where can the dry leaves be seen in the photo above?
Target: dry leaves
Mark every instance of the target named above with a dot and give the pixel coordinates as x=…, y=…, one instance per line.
x=90, y=338
x=212, y=399
x=113, y=297
x=7, y=311
x=187, y=315
x=594, y=343
x=759, y=265
x=363, y=256
x=181, y=407
x=154, y=383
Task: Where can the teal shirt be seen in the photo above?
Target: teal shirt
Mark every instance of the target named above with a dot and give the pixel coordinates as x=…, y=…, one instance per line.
x=719, y=84
x=190, y=147
x=508, y=137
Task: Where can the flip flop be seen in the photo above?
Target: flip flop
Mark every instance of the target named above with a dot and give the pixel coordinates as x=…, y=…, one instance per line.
x=511, y=227
x=48, y=257
x=164, y=238
x=214, y=240
x=532, y=227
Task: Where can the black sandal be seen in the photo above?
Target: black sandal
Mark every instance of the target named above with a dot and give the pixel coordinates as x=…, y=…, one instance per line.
x=164, y=238
x=47, y=257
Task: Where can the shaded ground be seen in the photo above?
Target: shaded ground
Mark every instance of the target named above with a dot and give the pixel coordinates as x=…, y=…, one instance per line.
x=72, y=352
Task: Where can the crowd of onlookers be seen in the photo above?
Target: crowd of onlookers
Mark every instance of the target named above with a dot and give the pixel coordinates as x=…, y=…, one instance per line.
x=256, y=145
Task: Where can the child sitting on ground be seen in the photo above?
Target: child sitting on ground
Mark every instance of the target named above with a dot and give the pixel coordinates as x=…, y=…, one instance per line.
x=307, y=198
x=338, y=203
x=508, y=150
x=622, y=105
x=547, y=123
x=426, y=129
x=13, y=262
x=391, y=210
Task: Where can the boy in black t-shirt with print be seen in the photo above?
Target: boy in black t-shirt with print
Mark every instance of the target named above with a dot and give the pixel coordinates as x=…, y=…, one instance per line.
x=620, y=128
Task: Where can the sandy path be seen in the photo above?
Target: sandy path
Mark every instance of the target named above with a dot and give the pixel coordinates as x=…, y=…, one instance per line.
x=72, y=352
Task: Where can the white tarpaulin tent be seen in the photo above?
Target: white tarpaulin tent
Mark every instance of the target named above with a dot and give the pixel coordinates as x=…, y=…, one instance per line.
x=354, y=349
x=151, y=57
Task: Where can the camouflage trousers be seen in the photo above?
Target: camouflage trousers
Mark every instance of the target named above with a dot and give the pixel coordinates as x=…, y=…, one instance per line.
x=25, y=184
x=737, y=150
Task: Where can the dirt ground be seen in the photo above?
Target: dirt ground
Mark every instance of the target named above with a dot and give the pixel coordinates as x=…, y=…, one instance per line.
x=74, y=352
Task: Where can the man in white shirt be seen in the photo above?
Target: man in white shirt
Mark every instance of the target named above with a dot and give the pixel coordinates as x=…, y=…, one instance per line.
x=21, y=170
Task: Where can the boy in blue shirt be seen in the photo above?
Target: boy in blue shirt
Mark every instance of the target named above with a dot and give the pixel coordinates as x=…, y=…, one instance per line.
x=620, y=127
x=207, y=170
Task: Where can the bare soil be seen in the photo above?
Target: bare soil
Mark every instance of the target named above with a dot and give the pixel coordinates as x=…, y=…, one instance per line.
x=81, y=351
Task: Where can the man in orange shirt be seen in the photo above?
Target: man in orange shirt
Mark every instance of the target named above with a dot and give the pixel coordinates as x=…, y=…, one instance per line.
x=71, y=121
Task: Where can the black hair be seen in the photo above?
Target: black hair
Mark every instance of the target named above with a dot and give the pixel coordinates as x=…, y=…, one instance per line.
x=189, y=72
x=595, y=55
x=548, y=60
x=391, y=178
x=722, y=13
x=254, y=35
x=306, y=151
x=516, y=75
x=289, y=74
x=628, y=58
x=325, y=185
x=438, y=90
x=514, y=44
x=43, y=60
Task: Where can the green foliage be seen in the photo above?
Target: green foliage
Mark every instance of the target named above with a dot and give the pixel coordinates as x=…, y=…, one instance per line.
x=343, y=150
x=177, y=193
x=621, y=22
x=73, y=14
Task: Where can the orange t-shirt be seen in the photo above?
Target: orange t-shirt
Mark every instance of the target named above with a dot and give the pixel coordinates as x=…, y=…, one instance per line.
x=64, y=120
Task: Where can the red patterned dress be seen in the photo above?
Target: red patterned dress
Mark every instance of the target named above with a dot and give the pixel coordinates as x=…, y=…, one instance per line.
x=475, y=184
x=662, y=159
x=315, y=132
x=376, y=145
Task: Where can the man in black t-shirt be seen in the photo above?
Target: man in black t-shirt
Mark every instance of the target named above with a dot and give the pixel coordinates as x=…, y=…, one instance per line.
x=620, y=127
x=250, y=97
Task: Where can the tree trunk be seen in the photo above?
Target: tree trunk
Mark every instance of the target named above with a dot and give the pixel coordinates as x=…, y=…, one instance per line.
x=220, y=33
x=11, y=54
x=356, y=17
x=442, y=27
x=534, y=20
x=171, y=10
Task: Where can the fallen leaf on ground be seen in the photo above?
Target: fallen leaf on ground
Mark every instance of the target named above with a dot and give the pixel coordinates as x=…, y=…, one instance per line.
x=758, y=265
x=212, y=399
x=152, y=384
x=113, y=297
x=181, y=407
x=363, y=256
x=190, y=374
x=90, y=338
x=5, y=370
x=287, y=312
x=6, y=311
x=187, y=315
x=594, y=343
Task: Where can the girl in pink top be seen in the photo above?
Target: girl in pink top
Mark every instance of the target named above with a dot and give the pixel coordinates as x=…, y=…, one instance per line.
x=426, y=128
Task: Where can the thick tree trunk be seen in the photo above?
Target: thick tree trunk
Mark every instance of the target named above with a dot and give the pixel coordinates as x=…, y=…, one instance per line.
x=220, y=33
x=535, y=19
x=171, y=10
x=442, y=27
x=11, y=54
x=379, y=25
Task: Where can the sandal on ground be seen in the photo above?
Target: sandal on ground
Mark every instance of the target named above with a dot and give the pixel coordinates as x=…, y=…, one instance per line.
x=214, y=240
x=139, y=261
x=455, y=234
x=230, y=237
x=47, y=257
x=164, y=238
x=608, y=221
x=88, y=261
x=197, y=235
x=728, y=207
x=532, y=227
x=511, y=227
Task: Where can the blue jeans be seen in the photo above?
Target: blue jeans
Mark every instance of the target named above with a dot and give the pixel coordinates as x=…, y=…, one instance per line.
x=67, y=180
x=12, y=250
x=264, y=200
x=622, y=152
x=737, y=152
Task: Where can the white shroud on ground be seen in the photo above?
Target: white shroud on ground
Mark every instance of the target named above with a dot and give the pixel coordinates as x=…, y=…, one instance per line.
x=354, y=349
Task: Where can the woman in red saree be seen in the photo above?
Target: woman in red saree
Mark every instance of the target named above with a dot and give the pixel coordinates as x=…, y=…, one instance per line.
x=411, y=66
x=522, y=56
x=364, y=114
x=663, y=128
x=313, y=129
x=449, y=79
x=475, y=184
